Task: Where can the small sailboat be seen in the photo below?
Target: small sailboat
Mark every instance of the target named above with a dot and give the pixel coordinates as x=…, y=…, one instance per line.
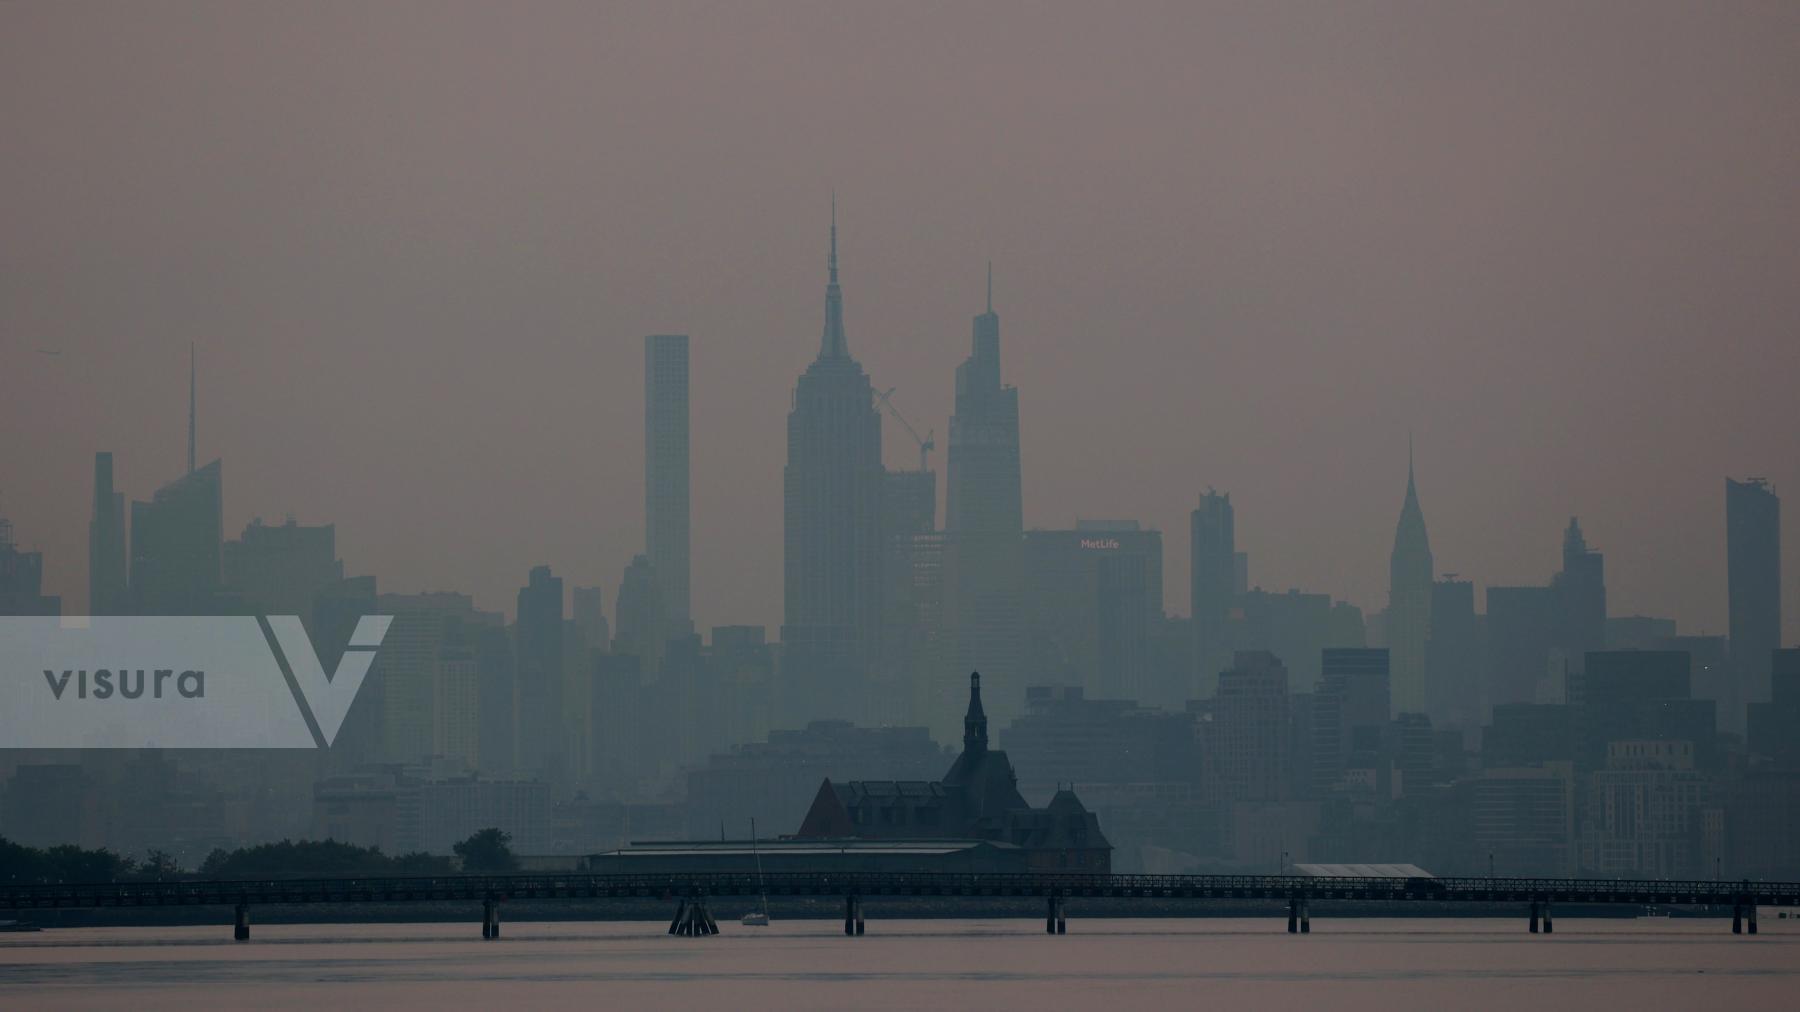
x=757, y=918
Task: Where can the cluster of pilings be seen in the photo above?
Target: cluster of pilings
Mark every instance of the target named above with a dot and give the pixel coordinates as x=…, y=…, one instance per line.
x=693, y=920
x=1541, y=909
x=853, y=915
x=1742, y=911
x=490, y=918
x=1299, y=915
x=1056, y=920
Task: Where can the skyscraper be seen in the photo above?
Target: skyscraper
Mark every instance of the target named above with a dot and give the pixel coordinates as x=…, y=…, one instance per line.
x=831, y=527
x=22, y=579
x=1454, y=662
x=106, y=544
x=1091, y=597
x=538, y=634
x=1246, y=741
x=984, y=517
x=279, y=570
x=638, y=626
x=176, y=543
x=666, y=534
x=177, y=537
x=1581, y=598
x=1409, y=601
x=1350, y=709
x=910, y=664
x=1212, y=550
x=1753, y=583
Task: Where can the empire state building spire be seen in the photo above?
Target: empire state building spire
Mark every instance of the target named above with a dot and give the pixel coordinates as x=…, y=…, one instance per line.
x=833, y=344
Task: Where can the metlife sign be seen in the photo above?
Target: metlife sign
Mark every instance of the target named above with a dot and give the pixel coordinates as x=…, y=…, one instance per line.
x=175, y=682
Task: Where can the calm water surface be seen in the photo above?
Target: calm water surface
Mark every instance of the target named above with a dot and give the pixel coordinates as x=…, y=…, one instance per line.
x=1613, y=966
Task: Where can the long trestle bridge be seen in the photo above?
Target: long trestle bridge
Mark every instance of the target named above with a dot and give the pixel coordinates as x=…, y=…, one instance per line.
x=691, y=891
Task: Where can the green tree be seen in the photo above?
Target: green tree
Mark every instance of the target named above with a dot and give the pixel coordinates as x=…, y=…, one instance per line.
x=159, y=865
x=489, y=850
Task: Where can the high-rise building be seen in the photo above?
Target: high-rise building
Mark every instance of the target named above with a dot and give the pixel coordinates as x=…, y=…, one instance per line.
x=1246, y=738
x=1774, y=727
x=538, y=636
x=638, y=625
x=1409, y=601
x=666, y=527
x=587, y=610
x=22, y=579
x=1295, y=626
x=176, y=536
x=909, y=660
x=1521, y=628
x=107, y=590
x=1640, y=695
x=1453, y=656
x=427, y=642
x=744, y=672
x=831, y=523
x=1350, y=709
x=176, y=541
x=984, y=517
x=279, y=570
x=1092, y=596
x=1581, y=597
x=1643, y=812
x=1213, y=552
x=1753, y=578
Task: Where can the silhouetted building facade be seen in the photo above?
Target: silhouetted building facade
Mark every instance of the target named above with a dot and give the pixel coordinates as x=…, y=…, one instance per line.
x=984, y=519
x=279, y=570
x=108, y=593
x=831, y=523
x=1350, y=713
x=1092, y=597
x=176, y=541
x=538, y=645
x=638, y=624
x=1521, y=628
x=1774, y=727
x=666, y=472
x=1454, y=660
x=1245, y=731
x=1409, y=601
x=1212, y=549
x=22, y=579
x=1753, y=583
x=978, y=799
x=1580, y=590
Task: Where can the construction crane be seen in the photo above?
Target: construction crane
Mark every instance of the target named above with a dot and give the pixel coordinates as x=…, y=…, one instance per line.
x=927, y=444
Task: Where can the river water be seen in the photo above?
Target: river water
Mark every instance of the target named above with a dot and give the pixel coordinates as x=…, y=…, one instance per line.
x=1354, y=964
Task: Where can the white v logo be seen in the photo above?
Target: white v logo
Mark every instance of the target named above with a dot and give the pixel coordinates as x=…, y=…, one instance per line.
x=329, y=696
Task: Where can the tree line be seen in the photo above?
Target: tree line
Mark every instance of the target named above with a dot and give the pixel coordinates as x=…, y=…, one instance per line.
x=485, y=852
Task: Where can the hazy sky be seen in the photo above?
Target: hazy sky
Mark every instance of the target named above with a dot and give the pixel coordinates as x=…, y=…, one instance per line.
x=1240, y=245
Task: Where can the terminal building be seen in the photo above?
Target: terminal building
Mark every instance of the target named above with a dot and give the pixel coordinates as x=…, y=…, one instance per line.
x=978, y=800
x=974, y=819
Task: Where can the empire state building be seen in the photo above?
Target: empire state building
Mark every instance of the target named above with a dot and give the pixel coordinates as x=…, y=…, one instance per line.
x=831, y=527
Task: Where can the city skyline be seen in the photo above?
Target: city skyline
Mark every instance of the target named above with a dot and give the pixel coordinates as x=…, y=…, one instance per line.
x=1151, y=465
x=1218, y=325
x=1177, y=575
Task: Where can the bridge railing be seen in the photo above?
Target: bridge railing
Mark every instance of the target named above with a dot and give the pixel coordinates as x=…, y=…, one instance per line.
x=571, y=885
